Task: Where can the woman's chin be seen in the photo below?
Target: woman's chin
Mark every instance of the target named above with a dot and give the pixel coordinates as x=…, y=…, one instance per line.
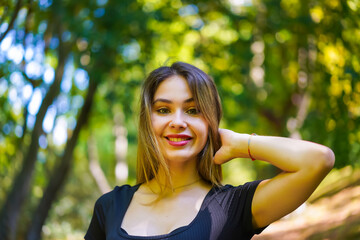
x=179, y=158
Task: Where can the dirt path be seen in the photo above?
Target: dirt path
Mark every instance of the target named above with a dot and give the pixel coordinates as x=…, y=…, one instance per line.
x=332, y=218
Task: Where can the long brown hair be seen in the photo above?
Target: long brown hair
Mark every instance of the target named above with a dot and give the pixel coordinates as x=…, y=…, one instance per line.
x=206, y=97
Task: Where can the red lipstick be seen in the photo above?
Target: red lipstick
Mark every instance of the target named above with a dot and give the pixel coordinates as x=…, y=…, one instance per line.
x=178, y=140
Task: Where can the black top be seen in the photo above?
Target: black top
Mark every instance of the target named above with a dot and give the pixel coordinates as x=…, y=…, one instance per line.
x=224, y=214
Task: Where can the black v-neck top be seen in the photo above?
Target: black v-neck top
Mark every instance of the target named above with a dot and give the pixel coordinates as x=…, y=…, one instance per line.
x=225, y=214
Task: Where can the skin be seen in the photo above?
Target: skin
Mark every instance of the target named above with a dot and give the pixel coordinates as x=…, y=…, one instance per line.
x=304, y=165
x=174, y=114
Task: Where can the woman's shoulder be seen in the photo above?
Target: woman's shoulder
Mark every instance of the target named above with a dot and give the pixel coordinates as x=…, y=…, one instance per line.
x=124, y=191
x=228, y=192
x=228, y=197
x=245, y=186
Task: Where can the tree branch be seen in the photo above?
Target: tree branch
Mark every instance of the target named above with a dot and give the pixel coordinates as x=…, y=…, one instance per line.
x=12, y=21
x=62, y=169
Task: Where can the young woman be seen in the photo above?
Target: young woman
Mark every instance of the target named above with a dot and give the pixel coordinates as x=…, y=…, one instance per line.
x=179, y=194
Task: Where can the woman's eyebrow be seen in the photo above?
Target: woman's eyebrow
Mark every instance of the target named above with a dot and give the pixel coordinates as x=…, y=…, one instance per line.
x=169, y=101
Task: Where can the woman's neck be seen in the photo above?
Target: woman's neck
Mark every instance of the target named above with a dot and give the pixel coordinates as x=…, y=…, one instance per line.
x=182, y=177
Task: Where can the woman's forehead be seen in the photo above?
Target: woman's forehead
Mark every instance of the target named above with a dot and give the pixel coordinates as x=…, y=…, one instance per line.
x=174, y=89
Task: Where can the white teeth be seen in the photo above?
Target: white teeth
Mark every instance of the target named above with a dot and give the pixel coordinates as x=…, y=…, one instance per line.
x=177, y=139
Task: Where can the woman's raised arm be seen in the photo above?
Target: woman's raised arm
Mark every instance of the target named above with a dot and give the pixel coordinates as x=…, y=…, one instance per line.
x=304, y=165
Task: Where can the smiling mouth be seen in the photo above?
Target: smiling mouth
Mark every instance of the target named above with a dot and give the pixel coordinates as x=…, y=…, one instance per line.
x=177, y=139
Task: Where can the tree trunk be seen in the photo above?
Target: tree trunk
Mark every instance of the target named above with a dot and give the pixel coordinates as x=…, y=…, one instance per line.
x=95, y=167
x=12, y=207
x=61, y=170
x=121, y=146
x=306, y=60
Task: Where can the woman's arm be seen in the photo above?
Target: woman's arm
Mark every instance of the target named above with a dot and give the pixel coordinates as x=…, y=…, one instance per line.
x=304, y=165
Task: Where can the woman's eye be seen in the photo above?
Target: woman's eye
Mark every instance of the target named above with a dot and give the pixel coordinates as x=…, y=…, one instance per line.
x=163, y=110
x=192, y=111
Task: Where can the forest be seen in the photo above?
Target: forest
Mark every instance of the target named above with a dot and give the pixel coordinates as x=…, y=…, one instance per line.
x=70, y=80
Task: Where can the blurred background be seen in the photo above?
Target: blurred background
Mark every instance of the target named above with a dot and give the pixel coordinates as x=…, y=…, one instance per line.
x=70, y=77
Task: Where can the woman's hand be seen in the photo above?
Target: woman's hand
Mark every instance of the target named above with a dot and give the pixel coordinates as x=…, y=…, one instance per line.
x=233, y=145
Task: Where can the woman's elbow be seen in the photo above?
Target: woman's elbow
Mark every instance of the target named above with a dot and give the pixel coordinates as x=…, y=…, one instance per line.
x=326, y=159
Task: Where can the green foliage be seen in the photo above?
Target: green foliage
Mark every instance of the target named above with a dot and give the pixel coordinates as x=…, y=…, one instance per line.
x=288, y=68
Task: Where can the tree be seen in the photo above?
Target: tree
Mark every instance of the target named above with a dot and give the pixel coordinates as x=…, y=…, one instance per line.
x=12, y=207
x=282, y=68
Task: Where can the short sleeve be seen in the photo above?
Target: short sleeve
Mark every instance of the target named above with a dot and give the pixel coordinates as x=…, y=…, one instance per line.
x=96, y=229
x=240, y=207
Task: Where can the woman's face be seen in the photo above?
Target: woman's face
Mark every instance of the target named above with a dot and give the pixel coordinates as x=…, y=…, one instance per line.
x=180, y=128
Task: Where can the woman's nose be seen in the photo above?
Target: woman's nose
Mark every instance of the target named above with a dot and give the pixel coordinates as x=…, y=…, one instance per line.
x=178, y=120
